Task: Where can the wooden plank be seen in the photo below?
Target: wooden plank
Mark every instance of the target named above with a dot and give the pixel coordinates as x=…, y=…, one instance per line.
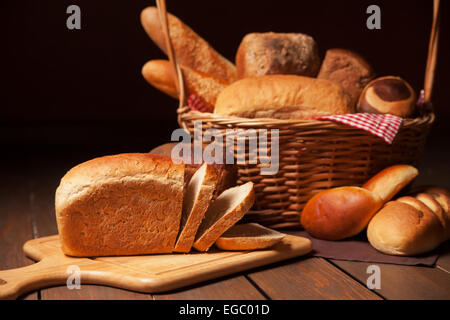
x=44, y=179
x=234, y=288
x=311, y=278
x=15, y=219
x=444, y=258
x=403, y=282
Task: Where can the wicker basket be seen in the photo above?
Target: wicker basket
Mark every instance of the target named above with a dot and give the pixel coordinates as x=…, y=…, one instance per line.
x=314, y=155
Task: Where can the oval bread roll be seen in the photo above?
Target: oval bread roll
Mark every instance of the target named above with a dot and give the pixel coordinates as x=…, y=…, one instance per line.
x=282, y=97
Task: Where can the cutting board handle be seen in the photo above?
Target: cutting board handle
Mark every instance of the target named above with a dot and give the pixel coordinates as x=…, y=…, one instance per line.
x=16, y=282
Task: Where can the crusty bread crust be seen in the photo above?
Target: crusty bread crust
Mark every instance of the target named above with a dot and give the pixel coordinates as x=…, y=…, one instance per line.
x=248, y=236
x=159, y=74
x=348, y=69
x=120, y=205
x=277, y=53
x=190, y=220
x=213, y=226
x=282, y=97
x=190, y=49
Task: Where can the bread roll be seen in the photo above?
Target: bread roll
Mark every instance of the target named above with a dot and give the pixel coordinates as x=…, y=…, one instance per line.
x=277, y=53
x=388, y=182
x=248, y=236
x=223, y=213
x=190, y=49
x=343, y=212
x=196, y=201
x=160, y=75
x=125, y=204
x=348, y=69
x=339, y=213
x=282, y=97
x=389, y=94
x=405, y=227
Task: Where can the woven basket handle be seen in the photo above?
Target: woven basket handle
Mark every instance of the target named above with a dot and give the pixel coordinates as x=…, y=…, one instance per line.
x=161, y=4
x=429, y=71
x=432, y=53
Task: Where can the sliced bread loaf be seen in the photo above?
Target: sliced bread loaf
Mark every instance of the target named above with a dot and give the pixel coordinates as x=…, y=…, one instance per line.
x=248, y=236
x=196, y=201
x=223, y=213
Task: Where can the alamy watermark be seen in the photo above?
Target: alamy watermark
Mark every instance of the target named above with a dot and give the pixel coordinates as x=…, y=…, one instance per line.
x=225, y=148
x=74, y=278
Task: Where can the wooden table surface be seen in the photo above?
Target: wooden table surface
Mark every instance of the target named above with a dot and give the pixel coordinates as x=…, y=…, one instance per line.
x=30, y=177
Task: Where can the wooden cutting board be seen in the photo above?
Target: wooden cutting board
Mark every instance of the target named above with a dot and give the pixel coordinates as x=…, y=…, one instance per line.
x=148, y=273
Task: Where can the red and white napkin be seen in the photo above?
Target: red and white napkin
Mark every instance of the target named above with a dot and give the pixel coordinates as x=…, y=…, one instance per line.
x=384, y=126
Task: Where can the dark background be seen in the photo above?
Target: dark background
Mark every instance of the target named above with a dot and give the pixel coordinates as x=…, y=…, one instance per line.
x=82, y=89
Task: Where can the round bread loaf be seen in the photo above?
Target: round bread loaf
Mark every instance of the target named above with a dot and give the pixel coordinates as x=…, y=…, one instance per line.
x=283, y=97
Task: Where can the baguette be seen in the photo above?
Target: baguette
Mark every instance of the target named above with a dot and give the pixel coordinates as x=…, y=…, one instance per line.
x=223, y=213
x=125, y=204
x=282, y=97
x=190, y=49
x=196, y=201
x=159, y=74
x=248, y=236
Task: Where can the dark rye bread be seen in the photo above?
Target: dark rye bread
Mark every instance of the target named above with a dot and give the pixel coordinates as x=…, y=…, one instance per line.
x=223, y=213
x=125, y=204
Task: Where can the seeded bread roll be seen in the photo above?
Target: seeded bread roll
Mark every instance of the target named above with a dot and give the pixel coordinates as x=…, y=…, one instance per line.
x=125, y=204
x=348, y=69
x=282, y=97
x=277, y=53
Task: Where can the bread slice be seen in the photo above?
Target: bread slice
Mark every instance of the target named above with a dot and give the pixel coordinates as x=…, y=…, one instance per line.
x=223, y=213
x=248, y=236
x=196, y=201
x=125, y=204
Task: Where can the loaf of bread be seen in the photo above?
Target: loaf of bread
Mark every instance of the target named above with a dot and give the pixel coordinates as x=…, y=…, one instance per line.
x=277, y=53
x=190, y=49
x=248, y=236
x=347, y=69
x=223, y=213
x=197, y=198
x=159, y=74
x=413, y=224
x=282, y=97
x=343, y=212
x=125, y=204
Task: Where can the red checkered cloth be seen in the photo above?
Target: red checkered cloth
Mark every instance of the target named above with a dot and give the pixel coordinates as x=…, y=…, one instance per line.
x=197, y=104
x=384, y=126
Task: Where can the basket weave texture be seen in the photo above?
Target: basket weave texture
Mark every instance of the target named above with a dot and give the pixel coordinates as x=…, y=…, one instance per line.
x=314, y=155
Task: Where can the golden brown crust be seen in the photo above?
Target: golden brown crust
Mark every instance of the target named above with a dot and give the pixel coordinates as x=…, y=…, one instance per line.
x=120, y=205
x=190, y=49
x=389, y=181
x=405, y=227
x=248, y=236
x=277, y=53
x=213, y=225
x=339, y=213
x=159, y=74
x=348, y=69
x=190, y=221
x=282, y=97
